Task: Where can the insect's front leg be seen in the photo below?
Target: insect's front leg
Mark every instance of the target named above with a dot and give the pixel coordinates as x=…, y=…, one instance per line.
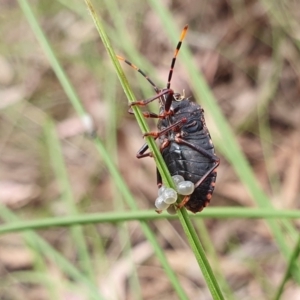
x=149, y=100
x=157, y=134
x=147, y=114
x=167, y=97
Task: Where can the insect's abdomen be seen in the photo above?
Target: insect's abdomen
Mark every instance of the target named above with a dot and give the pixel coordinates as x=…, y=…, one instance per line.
x=192, y=165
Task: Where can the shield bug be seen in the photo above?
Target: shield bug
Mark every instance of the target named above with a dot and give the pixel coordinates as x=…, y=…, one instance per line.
x=185, y=142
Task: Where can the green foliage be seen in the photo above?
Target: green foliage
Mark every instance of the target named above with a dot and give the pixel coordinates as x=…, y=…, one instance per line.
x=89, y=246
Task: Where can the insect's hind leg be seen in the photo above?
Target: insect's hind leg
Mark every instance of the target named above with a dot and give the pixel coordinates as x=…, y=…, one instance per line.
x=201, y=150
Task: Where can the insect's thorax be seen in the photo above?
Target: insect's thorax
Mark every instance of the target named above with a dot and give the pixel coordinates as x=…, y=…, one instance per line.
x=192, y=112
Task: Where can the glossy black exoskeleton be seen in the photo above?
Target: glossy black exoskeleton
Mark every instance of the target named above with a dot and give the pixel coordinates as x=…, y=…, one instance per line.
x=185, y=142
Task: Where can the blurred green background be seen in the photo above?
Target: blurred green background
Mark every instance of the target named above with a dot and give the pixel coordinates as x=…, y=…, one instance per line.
x=240, y=61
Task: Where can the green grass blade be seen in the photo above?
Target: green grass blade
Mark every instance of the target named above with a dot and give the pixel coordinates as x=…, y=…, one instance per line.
x=98, y=144
x=39, y=34
x=130, y=96
x=152, y=145
x=200, y=254
x=58, y=164
x=41, y=246
x=211, y=252
x=118, y=202
x=188, y=228
x=289, y=270
x=148, y=215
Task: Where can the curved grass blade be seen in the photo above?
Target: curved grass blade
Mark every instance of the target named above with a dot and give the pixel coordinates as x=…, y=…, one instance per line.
x=183, y=216
x=147, y=215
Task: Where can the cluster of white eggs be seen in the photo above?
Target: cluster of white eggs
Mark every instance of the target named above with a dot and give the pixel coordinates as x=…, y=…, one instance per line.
x=168, y=196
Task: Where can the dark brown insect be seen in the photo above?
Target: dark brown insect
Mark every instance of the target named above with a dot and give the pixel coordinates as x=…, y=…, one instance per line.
x=185, y=142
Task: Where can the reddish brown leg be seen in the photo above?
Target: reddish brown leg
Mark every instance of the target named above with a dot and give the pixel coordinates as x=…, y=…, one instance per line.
x=157, y=96
x=157, y=134
x=198, y=149
x=147, y=114
x=167, y=102
x=141, y=153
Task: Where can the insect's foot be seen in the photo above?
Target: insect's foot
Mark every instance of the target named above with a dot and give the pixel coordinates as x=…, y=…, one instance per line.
x=183, y=202
x=135, y=103
x=151, y=133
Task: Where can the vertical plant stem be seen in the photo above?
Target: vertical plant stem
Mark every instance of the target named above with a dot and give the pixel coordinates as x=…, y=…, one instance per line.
x=67, y=196
x=183, y=216
x=43, y=248
x=289, y=271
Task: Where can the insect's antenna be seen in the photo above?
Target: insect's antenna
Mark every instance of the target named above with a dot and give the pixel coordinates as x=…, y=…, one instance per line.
x=140, y=71
x=183, y=33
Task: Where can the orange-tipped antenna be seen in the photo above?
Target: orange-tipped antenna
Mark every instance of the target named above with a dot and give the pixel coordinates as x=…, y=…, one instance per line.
x=140, y=71
x=183, y=33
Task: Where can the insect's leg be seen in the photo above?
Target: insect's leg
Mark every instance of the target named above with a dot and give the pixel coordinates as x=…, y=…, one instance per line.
x=159, y=179
x=147, y=101
x=141, y=153
x=167, y=104
x=198, y=183
x=198, y=149
x=157, y=134
x=147, y=114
